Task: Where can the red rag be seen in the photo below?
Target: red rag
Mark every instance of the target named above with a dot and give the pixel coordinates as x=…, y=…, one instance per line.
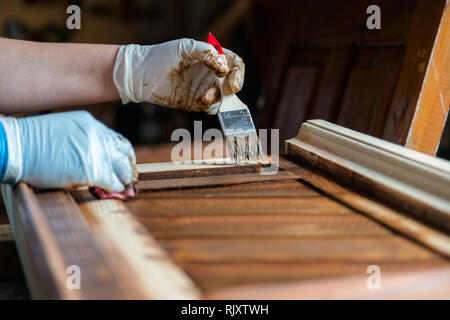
x=124, y=195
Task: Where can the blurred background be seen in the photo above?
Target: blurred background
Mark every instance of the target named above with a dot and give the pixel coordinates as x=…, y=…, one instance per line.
x=304, y=59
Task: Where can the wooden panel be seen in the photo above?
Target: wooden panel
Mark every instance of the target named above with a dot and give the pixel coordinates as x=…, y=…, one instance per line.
x=297, y=93
x=212, y=181
x=253, y=190
x=332, y=85
x=355, y=74
x=370, y=86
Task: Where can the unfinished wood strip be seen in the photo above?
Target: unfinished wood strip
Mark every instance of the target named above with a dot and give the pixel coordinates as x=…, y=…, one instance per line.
x=212, y=181
x=375, y=167
x=433, y=104
x=192, y=169
x=421, y=284
x=144, y=258
x=393, y=249
x=420, y=42
x=316, y=205
x=263, y=226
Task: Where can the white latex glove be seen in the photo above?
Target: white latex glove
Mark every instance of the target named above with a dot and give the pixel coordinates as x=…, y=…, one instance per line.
x=177, y=74
x=66, y=150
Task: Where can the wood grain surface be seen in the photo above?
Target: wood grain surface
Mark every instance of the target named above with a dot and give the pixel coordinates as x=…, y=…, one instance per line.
x=268, y=232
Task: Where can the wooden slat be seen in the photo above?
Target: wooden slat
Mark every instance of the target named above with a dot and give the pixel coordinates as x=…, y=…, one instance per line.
x=263, y=226
x=369, y=88
x=212, y=181
x=393, y=249
x=421, y=39
x=316, y=205
x=287, y=189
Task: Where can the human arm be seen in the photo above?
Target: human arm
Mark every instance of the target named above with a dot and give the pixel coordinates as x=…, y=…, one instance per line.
x=38, y=76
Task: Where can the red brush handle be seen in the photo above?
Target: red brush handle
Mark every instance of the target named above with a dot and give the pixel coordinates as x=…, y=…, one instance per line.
x=213, y=41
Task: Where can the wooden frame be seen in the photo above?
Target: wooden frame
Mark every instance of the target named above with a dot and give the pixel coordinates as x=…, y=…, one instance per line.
x=133, y=250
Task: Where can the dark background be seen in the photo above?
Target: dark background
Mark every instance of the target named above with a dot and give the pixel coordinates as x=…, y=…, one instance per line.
x=255, y=29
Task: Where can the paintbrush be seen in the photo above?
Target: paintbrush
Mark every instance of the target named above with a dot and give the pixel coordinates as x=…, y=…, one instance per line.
x=236, y=122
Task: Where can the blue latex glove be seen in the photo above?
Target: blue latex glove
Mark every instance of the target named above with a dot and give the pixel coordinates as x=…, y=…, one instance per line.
x=65, y=150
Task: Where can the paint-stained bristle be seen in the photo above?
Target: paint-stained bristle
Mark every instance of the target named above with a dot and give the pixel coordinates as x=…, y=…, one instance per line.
x=245, y=149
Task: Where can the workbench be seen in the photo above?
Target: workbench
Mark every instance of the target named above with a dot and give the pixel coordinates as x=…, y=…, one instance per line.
x=312, y=230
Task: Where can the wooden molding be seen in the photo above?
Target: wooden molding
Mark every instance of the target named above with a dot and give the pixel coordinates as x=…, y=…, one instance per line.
x=409, y=179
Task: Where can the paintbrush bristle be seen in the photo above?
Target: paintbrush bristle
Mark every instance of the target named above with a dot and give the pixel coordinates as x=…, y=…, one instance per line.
x=245, y=149
x=242, y=141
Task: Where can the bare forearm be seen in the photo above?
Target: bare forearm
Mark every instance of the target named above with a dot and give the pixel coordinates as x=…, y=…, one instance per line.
x=37, y=76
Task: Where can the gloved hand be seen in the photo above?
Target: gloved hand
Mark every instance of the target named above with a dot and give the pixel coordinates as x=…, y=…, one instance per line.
x=177, y=74
x=65, y=150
